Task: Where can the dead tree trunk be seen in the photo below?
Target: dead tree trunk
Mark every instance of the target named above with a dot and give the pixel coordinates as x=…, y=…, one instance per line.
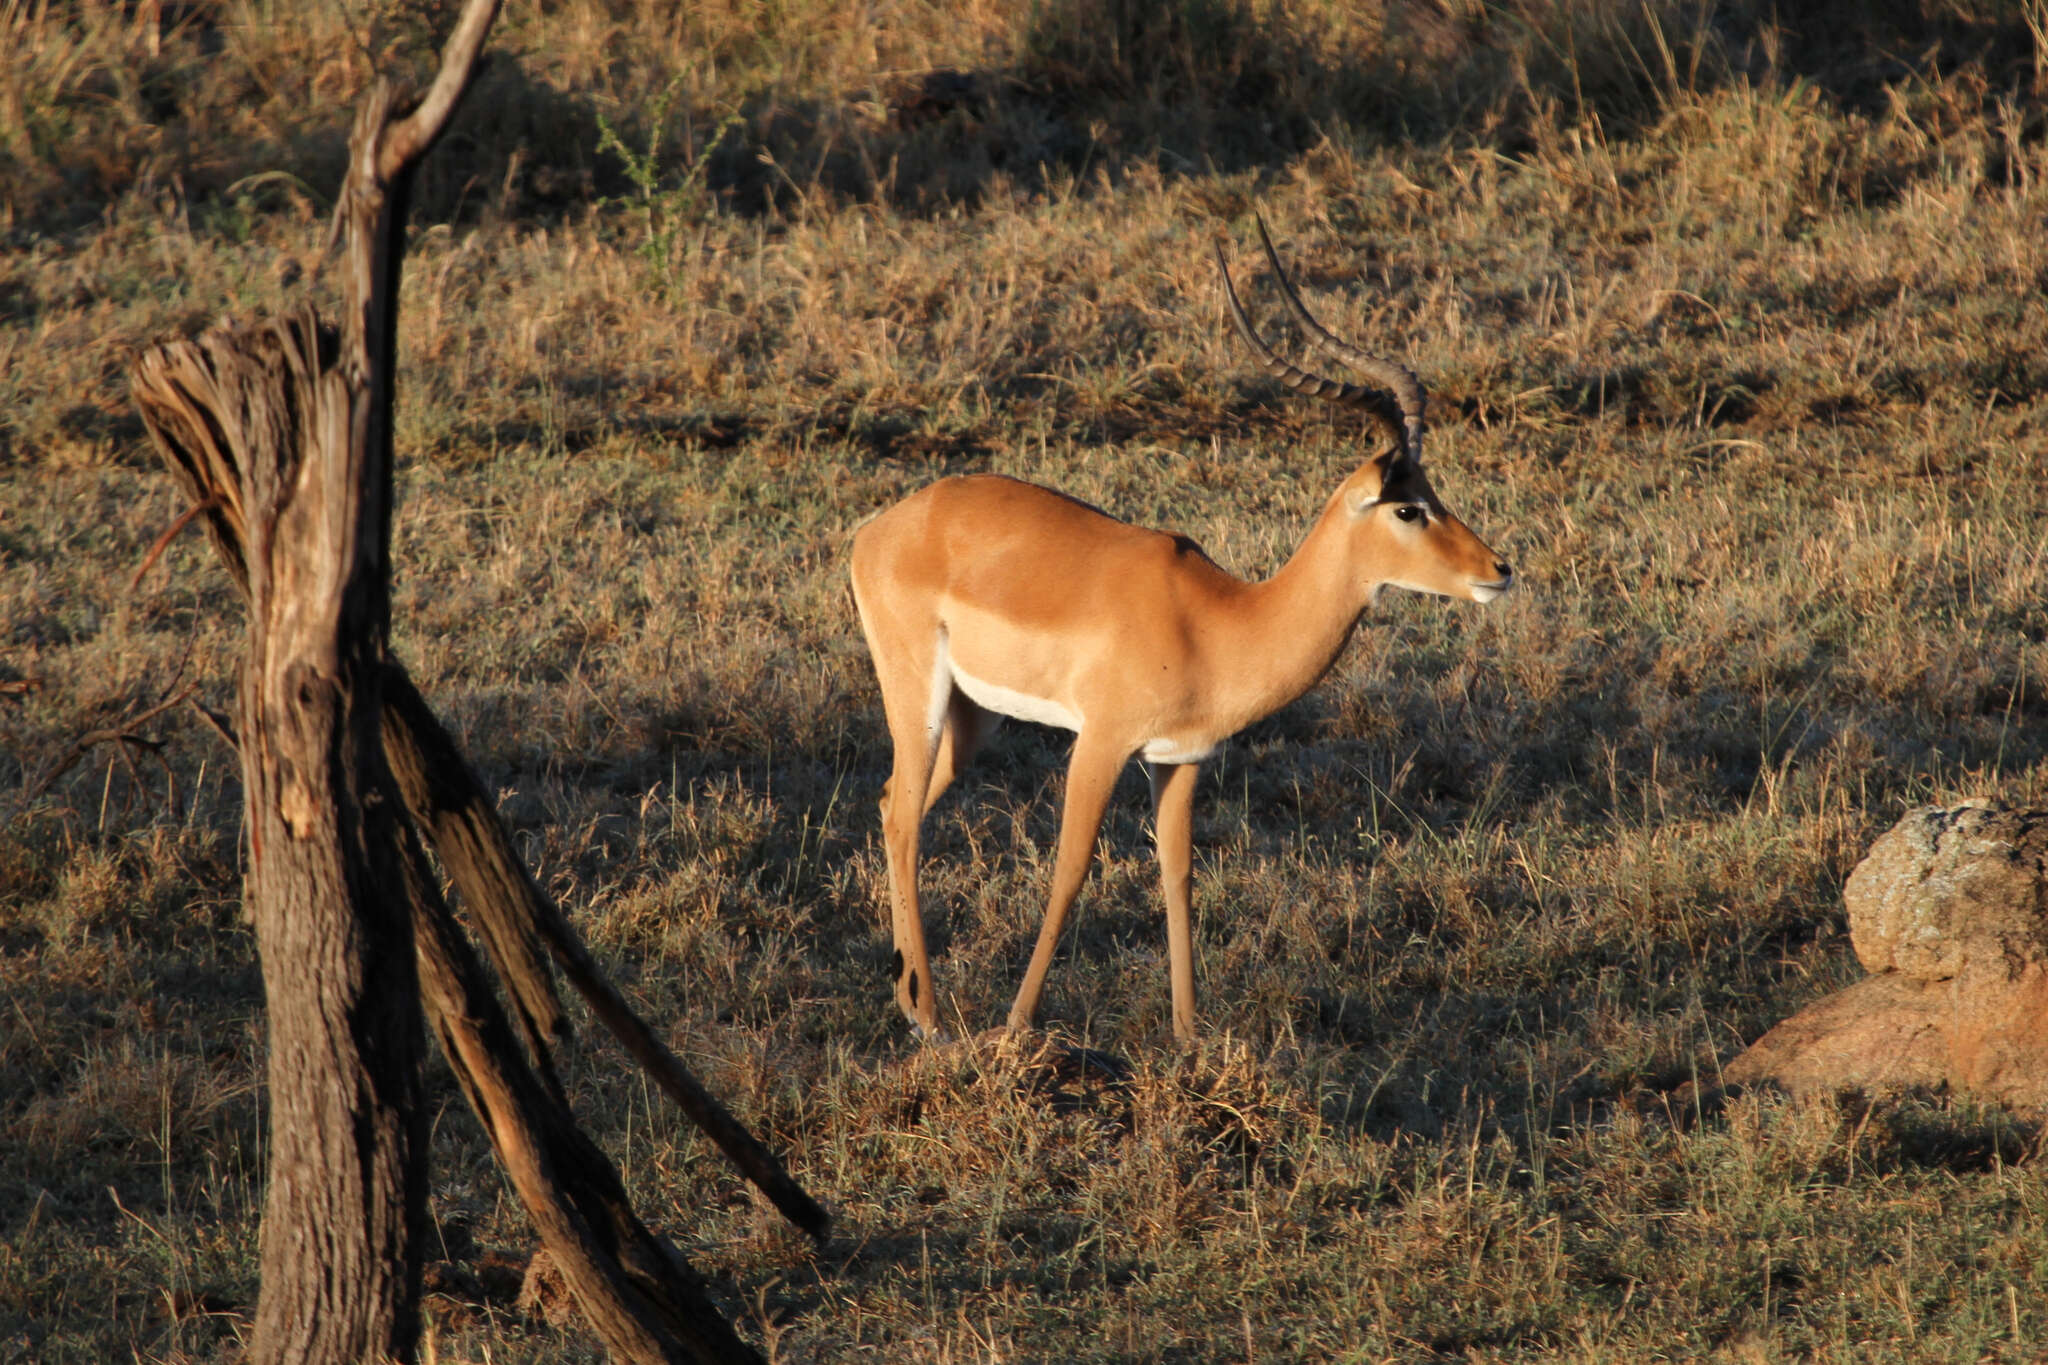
x=281, y=432
x=265, y=414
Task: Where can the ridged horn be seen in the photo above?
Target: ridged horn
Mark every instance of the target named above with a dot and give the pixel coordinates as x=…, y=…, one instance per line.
x=1396, y=379
x=1383, y=406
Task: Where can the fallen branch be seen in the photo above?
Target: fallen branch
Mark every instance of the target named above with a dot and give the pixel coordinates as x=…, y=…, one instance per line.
x=637, y=1297
x=450, y=806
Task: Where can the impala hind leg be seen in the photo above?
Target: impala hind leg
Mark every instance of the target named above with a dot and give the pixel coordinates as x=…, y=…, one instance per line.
x=925, y=767
x=967, y=725
x=903, y=803
x=915, y=696
x=1091, y=776
x=1173, y=805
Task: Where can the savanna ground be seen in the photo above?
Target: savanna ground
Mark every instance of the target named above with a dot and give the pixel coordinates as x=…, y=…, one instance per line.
x=1735, y=326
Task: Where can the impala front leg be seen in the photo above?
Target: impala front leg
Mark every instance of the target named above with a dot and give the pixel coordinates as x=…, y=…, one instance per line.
x=1173, y=802
x=1091, y=776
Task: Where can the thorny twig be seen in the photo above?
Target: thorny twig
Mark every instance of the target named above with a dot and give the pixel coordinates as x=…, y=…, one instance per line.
x=122, y=733
x=185, y=518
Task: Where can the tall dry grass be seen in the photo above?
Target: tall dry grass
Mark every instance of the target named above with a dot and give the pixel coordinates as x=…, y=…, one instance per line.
x=1734, y=329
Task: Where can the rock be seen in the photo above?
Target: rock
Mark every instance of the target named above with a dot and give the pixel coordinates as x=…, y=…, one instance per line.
x=1883, y=1032
x=1949, y=887
x=1949, y=912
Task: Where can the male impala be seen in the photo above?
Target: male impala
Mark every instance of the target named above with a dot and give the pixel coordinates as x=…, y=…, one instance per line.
x=983, y=596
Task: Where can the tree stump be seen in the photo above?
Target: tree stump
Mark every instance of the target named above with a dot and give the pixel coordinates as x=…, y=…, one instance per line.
x=280, y=432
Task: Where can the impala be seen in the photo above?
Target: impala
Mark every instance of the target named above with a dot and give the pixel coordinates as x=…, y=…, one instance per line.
x=984, y=596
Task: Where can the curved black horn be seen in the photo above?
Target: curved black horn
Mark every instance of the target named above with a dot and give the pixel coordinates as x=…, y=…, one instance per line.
x=1376, y=401
x=1398, y=379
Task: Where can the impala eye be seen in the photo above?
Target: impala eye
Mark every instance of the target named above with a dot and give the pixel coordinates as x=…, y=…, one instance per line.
x=1408, y=512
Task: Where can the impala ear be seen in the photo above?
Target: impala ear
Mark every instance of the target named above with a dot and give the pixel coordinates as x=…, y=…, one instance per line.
x=1369, y=484
x=1374, y=480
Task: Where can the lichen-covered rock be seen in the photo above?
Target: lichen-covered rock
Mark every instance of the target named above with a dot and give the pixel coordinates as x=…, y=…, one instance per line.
x=1950, y=886
x=1950, y=913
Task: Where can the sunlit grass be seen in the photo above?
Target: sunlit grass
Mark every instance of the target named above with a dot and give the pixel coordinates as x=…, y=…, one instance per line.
x=1739, y=364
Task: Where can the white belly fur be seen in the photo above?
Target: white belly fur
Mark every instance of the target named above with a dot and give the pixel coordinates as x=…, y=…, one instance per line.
x=1163, y=750
x=1010, y=703
x=1023, y=706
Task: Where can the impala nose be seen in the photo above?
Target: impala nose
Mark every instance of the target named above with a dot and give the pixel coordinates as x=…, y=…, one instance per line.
x=1500, y=567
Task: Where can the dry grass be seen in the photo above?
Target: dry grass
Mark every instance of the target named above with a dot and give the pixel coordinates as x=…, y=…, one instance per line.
x=1736, y=335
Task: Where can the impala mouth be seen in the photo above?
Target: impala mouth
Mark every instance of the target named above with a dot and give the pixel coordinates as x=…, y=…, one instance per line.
x=1486, y=592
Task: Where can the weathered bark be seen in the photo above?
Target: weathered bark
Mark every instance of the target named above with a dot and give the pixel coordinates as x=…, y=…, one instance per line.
x=452, y=812
x=280, y=433
x=259, y=418
x=644, y=1303
x=446, y=802
x=288, y=434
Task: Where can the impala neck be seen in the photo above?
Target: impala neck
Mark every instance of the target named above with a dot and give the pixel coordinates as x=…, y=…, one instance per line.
x=1295, y=624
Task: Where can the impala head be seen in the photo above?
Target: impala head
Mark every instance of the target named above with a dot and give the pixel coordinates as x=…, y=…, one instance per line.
x=1404, y=533
x=1418, y=543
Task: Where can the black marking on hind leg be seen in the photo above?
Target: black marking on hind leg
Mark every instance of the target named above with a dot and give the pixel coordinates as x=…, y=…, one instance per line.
x=913, y=987
x=896, y=970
